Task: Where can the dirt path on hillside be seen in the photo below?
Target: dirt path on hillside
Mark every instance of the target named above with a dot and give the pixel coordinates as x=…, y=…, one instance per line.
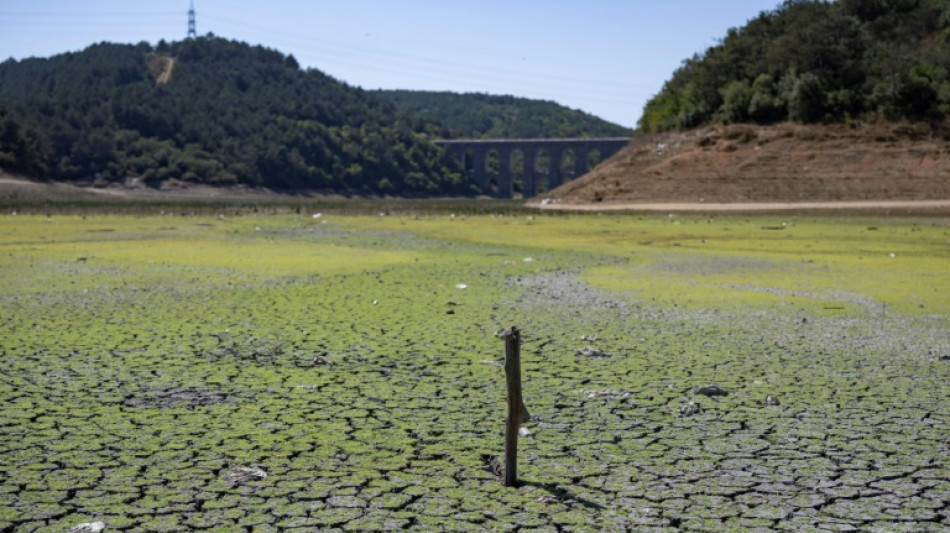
x=167, y=72
x=909, y=205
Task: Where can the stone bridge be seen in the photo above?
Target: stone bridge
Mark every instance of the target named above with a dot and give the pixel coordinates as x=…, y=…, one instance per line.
x=496, y=165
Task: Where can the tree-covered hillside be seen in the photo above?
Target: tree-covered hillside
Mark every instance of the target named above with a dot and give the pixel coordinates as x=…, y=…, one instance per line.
x=817, y=61
x=229, y=113
x=484, y=116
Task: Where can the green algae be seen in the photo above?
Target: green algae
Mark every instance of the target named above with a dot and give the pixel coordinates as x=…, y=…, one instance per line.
x=144, y=357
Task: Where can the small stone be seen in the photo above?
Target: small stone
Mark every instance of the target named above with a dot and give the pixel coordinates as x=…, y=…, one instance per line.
x=712, y=390
x=244, y=474
x=88, y=527
x=690, y=409
x=587, y=351
x=320, y=360
x=772, y=400
x=945, y=357
x=524, y=432
x=450, y=312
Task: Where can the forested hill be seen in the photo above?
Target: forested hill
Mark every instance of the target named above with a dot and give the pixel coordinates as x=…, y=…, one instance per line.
x=228, y=113
x=817, y=61
x=486, y=116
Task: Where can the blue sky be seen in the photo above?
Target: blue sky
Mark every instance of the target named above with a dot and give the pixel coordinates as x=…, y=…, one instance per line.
x=606, y=57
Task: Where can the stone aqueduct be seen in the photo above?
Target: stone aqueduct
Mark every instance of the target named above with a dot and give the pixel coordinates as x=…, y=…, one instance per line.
x=474, y=156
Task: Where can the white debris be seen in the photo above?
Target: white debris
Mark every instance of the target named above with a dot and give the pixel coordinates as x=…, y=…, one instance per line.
x=587, y=351
x=523, y=432
x=88, y=527
x=528, y=259
x=461, y=286
x=317, y=215
x=546, y=201
x=375, y=302
x=605, y=393
x=893, y=256
x=243, y=474
x=690, y=408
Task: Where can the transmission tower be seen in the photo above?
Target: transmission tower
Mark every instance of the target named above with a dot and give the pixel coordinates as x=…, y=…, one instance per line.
x=192, y=33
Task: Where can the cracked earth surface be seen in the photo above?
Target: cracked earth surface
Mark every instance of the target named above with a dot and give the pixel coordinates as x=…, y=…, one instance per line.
x=172, y=396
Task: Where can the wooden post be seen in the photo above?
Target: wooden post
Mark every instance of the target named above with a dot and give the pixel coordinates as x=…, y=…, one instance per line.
x=517, y=413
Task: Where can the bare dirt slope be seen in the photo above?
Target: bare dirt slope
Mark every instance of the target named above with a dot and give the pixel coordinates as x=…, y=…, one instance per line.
x=765, y=164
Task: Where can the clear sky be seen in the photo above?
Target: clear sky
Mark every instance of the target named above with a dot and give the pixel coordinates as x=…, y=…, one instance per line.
x=606, y=57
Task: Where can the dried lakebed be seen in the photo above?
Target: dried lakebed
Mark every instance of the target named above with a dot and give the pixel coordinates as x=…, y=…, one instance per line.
x=280, y=374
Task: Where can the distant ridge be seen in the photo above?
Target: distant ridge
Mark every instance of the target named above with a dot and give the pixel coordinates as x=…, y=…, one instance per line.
x=485, y=116
x=218, y=112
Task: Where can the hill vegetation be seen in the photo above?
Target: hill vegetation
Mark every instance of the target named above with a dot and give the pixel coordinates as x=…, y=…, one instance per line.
x=484, y=116
x=814, y=61
x=229, y=113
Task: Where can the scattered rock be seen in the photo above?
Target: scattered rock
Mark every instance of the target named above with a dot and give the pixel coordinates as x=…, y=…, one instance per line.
x=548, y=499
x=712, y=390
x=772, y=400
x=492, y=465
x=320, y=360
x=451, y=303
x=450, y=312
x=245, y=474
x=690, y=409
x=945, y=357
x=88, y=527
x=587, y=351
x=524, y=432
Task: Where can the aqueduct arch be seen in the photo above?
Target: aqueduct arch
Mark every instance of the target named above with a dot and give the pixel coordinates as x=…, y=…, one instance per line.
x=478, y=150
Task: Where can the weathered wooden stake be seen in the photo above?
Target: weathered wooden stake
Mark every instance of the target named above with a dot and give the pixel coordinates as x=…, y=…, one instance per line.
x=517, y=413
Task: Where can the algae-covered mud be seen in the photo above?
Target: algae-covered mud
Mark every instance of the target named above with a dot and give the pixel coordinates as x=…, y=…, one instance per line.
x=323, y=373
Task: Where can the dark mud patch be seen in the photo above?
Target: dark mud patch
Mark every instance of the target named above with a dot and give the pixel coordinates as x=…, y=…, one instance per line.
x=187, y=397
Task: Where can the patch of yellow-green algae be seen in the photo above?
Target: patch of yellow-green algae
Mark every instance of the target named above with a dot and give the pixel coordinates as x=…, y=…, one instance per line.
x=220, y=245
x=355, y=360
x=695, y=261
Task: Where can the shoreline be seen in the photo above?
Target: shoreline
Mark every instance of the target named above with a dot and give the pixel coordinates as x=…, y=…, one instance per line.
x=698, y=207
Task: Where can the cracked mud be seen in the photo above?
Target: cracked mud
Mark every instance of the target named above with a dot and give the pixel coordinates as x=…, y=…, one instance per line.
x=214, y=383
